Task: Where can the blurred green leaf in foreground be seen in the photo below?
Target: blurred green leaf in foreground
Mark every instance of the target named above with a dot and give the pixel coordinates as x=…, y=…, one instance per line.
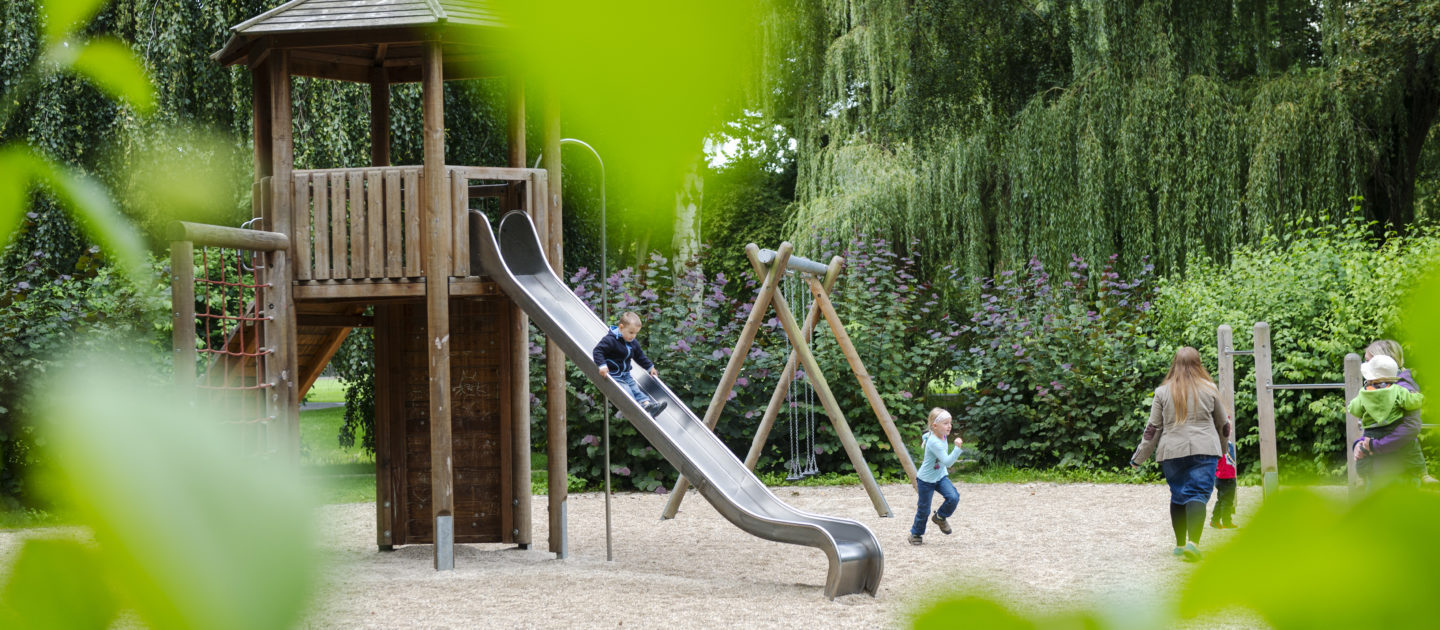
x=188, y=534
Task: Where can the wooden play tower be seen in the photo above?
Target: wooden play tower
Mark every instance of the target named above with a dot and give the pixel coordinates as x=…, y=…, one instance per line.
x=330, y=246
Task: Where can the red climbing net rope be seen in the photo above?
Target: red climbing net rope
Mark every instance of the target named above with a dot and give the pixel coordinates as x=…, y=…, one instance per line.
x=231, y=331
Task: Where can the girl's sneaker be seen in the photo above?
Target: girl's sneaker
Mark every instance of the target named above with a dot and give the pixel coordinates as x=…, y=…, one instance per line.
x=1179, y=551
x=1191, y=552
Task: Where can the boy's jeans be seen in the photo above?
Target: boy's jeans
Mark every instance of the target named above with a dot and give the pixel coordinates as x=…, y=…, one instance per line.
x=927, y=490
x=628, y=382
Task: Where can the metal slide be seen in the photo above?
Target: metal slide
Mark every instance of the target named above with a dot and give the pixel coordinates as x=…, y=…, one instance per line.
x=518, y=264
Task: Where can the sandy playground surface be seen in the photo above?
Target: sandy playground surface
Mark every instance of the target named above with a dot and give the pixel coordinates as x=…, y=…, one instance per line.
x=1049, y=547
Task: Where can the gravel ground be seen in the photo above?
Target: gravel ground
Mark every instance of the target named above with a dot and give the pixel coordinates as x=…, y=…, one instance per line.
x=1045, y=547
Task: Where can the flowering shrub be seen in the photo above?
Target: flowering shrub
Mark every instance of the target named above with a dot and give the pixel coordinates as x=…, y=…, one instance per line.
x=1063, y=369
x=691, y=324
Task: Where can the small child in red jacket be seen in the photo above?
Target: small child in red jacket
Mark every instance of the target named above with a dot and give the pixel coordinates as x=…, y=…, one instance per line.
x=1224, y=512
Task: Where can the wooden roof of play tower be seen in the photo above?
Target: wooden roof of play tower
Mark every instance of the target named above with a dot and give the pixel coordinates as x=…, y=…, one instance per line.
x=345, y=39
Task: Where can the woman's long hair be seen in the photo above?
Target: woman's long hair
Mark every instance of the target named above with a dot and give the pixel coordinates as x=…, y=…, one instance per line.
x=1187, y=376
x=1387, y=347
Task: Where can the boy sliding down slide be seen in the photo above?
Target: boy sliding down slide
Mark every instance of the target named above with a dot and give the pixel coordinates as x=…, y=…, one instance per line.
x=615, y=351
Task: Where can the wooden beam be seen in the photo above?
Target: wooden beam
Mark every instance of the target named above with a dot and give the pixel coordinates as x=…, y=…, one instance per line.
x=280, y=331
x=385, y=290
x=1353, y=383
x=379, y=115
x=435, y=243
x=867, y=384
x=772, y=411
x=324, y=350
x=182, y=299
x=515, y=122
x=1265, y=407
x=335, y=321
x=206, y=235
x=261, y=111
x=554, y=358
x=489, y=190
x=737, y=358
x=387, y=390
x=499, y=174
x=519, y=374
x=832, y=407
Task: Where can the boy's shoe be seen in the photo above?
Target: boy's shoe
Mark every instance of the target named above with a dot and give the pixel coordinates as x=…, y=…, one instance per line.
x=916, y=540
x=1216, y=525
x=940, y=522
x=1229, y=525
x=1191, y=552
x=654, y=408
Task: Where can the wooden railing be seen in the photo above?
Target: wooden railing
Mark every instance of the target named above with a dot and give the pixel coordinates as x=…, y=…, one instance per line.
x=364, y=223
x=357, y=223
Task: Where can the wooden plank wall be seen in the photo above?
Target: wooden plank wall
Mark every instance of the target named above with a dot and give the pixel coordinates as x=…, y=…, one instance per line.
x=479, y=385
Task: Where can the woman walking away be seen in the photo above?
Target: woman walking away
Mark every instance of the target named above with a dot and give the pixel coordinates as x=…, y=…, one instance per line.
x=1185, y=430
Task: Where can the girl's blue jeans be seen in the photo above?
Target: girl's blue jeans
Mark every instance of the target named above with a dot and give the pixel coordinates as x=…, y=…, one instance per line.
x=927, y=490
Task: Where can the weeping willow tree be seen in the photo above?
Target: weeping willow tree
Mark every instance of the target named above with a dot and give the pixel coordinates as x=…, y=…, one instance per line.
x=988, y=132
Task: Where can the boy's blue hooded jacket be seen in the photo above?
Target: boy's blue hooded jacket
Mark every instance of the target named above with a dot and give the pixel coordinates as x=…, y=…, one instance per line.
x=615, y=352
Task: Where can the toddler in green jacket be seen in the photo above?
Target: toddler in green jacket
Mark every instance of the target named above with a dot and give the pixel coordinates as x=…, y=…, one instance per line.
x=1382, y=402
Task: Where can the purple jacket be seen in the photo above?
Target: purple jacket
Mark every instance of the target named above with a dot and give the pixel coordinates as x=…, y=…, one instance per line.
x=1408, y=428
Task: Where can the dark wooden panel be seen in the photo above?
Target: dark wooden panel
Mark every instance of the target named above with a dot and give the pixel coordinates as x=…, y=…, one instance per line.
x=479, y=358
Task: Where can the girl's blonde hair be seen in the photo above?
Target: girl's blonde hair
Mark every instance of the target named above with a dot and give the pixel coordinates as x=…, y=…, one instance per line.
x=1387, y=347
x=935, y=414
x=1187, y=376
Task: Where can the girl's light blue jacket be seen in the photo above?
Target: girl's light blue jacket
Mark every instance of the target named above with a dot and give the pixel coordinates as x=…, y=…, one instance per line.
x=939, y=455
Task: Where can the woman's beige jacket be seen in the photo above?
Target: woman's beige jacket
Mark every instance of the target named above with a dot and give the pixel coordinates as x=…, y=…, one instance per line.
x=1199, y=435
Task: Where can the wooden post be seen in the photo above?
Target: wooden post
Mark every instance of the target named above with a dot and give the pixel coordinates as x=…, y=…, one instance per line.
x=554, y=357
x=519, y=346
x=386, y=330
x=261, y=107
x=386, y=420
x=182, y=291
x=281, y=333
x=1353, y=383
x=832, y=407
x=1225, y=377
x=435, y=243
x=379, y=116
x=767, y=421
x=1265, y=405
x=737, y=358
x=867, y=384
x=515, y=122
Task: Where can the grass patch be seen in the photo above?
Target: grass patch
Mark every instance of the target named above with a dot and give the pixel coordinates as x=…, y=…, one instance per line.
x=30, y=517
x=1011, y=474
x=318, y=443
x=326, y=389
x=344, y=488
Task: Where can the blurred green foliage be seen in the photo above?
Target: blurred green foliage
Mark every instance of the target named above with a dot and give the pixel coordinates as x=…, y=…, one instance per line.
x=187, y=532
x=1303, y=561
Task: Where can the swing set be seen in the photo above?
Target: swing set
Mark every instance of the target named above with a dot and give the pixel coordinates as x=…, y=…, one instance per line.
x=777, y=268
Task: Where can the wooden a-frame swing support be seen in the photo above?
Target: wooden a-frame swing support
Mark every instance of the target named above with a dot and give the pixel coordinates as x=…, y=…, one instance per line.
x=772, y=269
